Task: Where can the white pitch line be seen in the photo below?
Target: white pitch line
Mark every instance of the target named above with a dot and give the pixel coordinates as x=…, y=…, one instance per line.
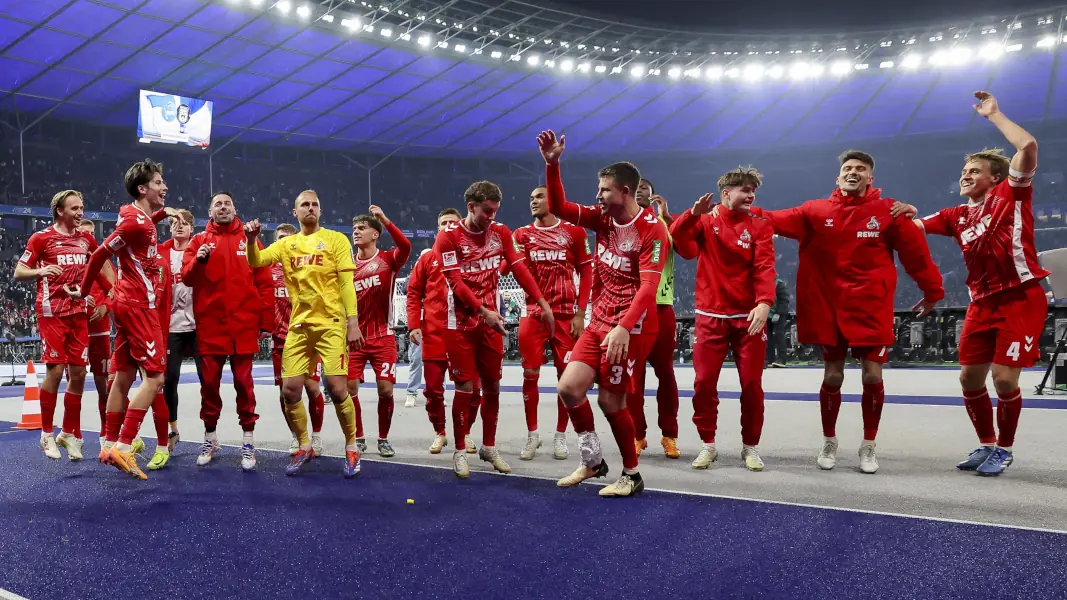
x=6, y=595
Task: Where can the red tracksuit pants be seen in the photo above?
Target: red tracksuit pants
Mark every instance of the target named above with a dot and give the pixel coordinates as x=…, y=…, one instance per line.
x=713, y=338
x=211, y=401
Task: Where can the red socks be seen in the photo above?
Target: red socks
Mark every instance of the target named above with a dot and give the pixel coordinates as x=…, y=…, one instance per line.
x=359, y=414
x=530, y=397
x=980, y=410
x=635, y=403
x=48, y=410
x=160, y=416
x=72, y=414
x=871, y=403
x=622, y=427
x=385, y=415
x=830, y=406
x=490, y=414
x=562, y=418
x=318, y=408
x=582, y=417
x=131, y=424
x=112, y=426
x=1009, y=407
x=461, y=405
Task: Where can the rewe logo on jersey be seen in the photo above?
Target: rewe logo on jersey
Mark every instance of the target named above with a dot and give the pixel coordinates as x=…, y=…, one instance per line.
x=543, y=255
x=66, y=260
x=619, y=263
x=873, y=229
x=491, y=263
x=972, y=233
x=296, y=262
x=368, y=282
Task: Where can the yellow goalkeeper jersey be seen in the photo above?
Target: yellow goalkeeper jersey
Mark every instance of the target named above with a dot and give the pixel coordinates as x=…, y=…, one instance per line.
x=313, y=265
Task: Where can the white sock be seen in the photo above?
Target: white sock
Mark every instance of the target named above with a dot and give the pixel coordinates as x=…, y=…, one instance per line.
x=1008, y=448
x=709, y=446
x=248, y=437
x=350, y=448
x=123, y=447
x=211, y=437
x=315, y=435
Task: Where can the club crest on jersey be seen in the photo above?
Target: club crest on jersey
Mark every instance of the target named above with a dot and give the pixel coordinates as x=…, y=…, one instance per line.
x=745, y=240
x=84, y=245
x=320, y=246
x=562, y=240
x=492, y=242
x=873, y=229
x=242, y=248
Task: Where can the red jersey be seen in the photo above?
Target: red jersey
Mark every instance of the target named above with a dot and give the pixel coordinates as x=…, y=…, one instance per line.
x=426, y=305
x=626, y=254
x=140, y=278
x=996, y=236
x=282, y=307
x=735, y=261
x=375, y=279
x=478, y=257
x=101, y=326
x=554, y=255
x=69, y=251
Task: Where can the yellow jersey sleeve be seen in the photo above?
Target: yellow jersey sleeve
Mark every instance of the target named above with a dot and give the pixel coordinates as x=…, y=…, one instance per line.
x=267, y=256
x=342, y=254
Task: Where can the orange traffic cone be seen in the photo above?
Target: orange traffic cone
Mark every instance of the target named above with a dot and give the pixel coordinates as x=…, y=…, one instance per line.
x=31, y=401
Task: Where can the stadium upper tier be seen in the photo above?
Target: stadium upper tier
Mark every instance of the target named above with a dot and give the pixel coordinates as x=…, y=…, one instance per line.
x=463, y=78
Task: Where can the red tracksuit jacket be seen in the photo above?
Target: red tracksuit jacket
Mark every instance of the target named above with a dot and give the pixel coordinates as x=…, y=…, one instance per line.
x=847, y=277
x=232, y=302
x=427, y=292
x=166, y=300
x=735, y=260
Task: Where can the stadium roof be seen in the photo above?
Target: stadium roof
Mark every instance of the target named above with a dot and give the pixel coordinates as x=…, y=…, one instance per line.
x=480, y=78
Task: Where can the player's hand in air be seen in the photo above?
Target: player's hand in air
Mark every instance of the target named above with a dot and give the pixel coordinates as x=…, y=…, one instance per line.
x=924, y=307
x=171, y=212
x=252, y=230
x=551, y=148
x=73, y=290
x=578, y=324
x=547, y=318
x=616, y=345
x=660, y=203
x=376, y=212
x=987, y=104
x=494, y=320
x=355, y=336
x=49, y=271
x=703, y=205
x=415, y=337
x=203, y=253
x=902, y=208
x=758, y=318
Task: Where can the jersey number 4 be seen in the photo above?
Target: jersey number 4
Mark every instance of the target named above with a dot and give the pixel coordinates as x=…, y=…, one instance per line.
x=1013, y=351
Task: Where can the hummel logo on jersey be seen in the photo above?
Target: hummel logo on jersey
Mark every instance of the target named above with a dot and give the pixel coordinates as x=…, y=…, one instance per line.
x=972, y=233
x=630, y=366
x=650, y=218
x=140, y=220
x=150, y=348
x=829, y=222
x=1029, y=343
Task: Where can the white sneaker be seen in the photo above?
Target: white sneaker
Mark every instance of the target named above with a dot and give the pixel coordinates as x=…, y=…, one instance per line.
x=559, y=447
x=469, y=442
x=409, y=402
x=294, y=446
x=459, y=465
x=48, y=444
x=828, y=455
x=492, y=456
x=582, y=473
x=72, y=444
x=316, y=445
x=207, y=450
x=533, y=442
x=708, y=454
x=750, y=456
x=868, y=461
x=439, y=442
x=248, y=457
x=623, y=487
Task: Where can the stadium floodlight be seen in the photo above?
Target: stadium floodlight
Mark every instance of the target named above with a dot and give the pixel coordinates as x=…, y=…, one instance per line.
x=950, y=58
x=776, y=72
x=841, y=67
x=690, y=73
x=862, y=66
x=304, y=11
x=616, y=70
x=567, y=65
x=991, y=51
x=714, y=73
x=601, y=69
x=515, y=57
x=406, y=37
x=638, y=71
x=424, y=41
x=442, y=44
x=460, y=48
x=584, y=67
x=550, y=63
x=256, y=2
x=386, y=32
x=327, y=18
x=733, y=73
x=752, y=72
x=533, y=60
x=800, y=70
x=284, y=7
x=368, y=28
x=886, y=64
x=351, y=23
x=911, y=61
x=1013, y=48
x=1046, y=42
x=674, y=72
x=497, y=54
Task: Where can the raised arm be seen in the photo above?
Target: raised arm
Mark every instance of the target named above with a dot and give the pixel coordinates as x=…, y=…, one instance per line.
x=1024, y=162
x=551, y=149
x=257, y=255
x=787, y=222
x=687, y=231
x=403, y=244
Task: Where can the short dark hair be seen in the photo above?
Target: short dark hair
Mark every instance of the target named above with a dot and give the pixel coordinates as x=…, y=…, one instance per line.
x=741, y=176
x=141, y=173
x=861, y=156
x=369, y=220
x=483, y=191
x=449, y=211
x=651, y=187
x=625, y=175
x=59, y=201
x=994, y=157
x=219, y=193
x=284, y=228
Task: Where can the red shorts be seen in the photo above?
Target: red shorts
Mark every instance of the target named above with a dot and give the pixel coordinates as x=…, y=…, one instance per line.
x=64, y=340
x=615, y=378
x=380, y=353
x=1005, y=328
x=532, y=339
x=475, y=353
x=277, y=345
x=138, y=339
x=99, y=353
x=875, y=354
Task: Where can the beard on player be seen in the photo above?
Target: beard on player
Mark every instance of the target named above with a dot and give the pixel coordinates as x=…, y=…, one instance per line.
x=307, y=209
x=857, y=173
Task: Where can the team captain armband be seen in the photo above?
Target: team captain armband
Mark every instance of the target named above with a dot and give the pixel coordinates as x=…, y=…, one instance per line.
x=1017, y=179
